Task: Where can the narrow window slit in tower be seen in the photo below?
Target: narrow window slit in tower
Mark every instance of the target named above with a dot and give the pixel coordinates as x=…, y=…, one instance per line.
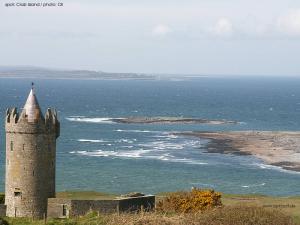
x=17, y=192
x=11, y=146
x=23, y=147
x=64, y=212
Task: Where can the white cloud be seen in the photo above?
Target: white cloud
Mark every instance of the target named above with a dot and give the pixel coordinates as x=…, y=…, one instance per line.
x=290, y=23
x=223, y=28
x=161, y=30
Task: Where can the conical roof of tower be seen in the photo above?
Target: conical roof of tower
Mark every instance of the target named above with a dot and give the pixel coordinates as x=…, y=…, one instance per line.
x=32, y=110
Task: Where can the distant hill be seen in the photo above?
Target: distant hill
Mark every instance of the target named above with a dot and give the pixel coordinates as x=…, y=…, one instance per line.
x=43, y=73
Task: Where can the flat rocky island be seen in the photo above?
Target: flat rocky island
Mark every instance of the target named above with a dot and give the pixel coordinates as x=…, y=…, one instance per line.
x=275, y=148
x=171, y=120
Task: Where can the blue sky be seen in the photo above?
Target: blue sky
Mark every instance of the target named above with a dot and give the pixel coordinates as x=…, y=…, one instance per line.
x=257, y=37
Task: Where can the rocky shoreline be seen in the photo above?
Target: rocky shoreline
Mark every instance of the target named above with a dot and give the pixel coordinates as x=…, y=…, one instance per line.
x=278, y=148
x=170, y=120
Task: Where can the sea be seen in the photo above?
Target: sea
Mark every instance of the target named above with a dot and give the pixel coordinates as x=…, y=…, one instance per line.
x=96, y=154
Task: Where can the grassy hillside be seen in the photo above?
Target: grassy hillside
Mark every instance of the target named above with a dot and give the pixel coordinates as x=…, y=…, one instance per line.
x=86, y=195
x=222, y=216
x=287, y=205
x=237, y=210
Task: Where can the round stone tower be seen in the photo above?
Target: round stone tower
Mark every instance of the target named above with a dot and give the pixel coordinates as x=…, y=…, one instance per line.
x=30, y=159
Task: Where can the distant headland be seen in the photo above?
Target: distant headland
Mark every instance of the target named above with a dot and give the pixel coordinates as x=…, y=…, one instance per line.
x=46, y=73
x=34, y=72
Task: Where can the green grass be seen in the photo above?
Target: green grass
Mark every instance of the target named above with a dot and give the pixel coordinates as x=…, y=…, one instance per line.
x=221, y=216
x=288, y=205
x=237, y=210
x=85, y=195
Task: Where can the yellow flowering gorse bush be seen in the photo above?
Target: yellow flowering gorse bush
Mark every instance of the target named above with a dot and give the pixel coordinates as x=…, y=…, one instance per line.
x=194, y=201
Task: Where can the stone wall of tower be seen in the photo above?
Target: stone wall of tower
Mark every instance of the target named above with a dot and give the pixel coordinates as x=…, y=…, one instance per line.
x=30, y=163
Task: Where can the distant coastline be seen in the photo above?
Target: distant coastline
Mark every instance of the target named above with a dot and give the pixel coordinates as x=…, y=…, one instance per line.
x=44, y=73
x=32, y=72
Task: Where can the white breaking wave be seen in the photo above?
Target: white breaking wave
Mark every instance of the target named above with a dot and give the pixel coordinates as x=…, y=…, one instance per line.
x=198, y=184
x=189, y=161
x=253, y=185
x=91, y=140
x=138, y=131
x=166, y=148
x=271, y=167
x=105, y=120
x=161, y=145
x=123, y=140
x=121, y=154
x=172, y=136
x=141, y=153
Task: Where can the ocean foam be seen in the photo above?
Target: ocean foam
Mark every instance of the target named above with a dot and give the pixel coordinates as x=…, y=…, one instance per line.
x=121, y=154
x=123, y=140
x=141, y=153
x=168, y=147
x=130, y=146
x=91, y=140
x=189, y=161
x=198, y=184
x=83, y=119
x=138, y=131
x=171, y=136
x=278, y=168
x=253, y=185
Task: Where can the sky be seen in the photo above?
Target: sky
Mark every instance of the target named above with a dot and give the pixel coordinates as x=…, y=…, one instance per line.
x=204, y=37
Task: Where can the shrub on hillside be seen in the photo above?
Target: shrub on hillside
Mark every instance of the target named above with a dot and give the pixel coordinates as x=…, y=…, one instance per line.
x=3, y=222
x=194, y=201
x=2, y=198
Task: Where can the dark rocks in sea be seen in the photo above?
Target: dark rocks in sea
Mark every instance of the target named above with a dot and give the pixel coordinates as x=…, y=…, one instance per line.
x=172, y=120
